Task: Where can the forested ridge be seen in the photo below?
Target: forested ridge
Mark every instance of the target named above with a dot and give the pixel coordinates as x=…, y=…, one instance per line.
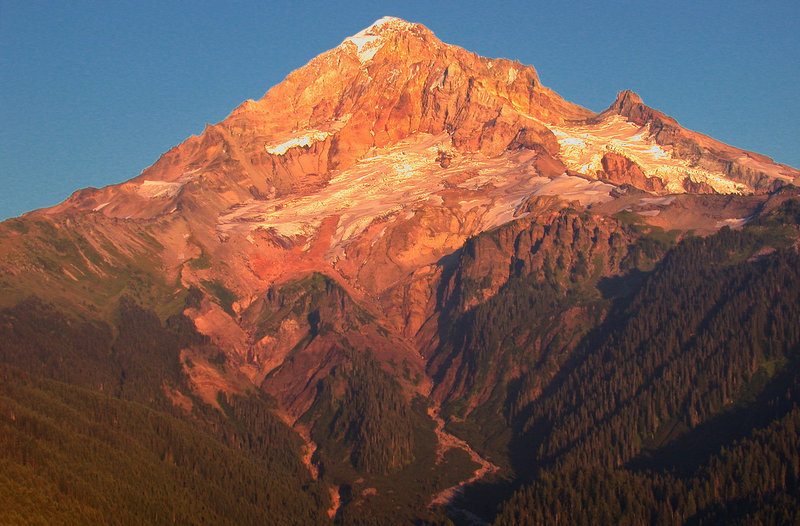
x=101, y=441
x=684, y=409
x=73, y=456
x=90, y=433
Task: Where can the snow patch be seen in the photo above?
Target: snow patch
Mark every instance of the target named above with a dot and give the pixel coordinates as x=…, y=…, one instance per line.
x=384, y=23
x=736, y=222
x=307, y=138
x=165, y=189
x=582, y=148
x=569, y=187
x=366, y=46
x=657, y=201
x=512, y=75
x=159, y=189
x=370, y=40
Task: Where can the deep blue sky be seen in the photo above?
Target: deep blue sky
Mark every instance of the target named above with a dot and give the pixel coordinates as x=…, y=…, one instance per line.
x=91, y=93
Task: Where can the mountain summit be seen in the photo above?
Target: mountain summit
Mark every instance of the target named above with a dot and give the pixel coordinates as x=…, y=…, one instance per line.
x=394, y=80
x=408, y=267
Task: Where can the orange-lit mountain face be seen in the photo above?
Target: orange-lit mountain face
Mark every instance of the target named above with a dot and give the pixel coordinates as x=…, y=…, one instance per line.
x=385, y=154
x=366, y=206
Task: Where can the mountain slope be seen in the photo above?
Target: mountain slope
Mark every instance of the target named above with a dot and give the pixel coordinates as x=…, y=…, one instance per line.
x=401, y=231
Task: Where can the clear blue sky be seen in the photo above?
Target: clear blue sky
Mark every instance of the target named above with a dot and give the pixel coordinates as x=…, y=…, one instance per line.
x=91, y=93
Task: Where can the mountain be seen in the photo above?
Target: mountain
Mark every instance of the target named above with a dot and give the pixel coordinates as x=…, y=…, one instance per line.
x=411, y=285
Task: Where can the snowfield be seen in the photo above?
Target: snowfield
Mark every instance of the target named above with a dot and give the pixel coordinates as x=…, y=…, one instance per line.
x=369, y=41
x=307, y=138
x=583, y=147
x=392, y=182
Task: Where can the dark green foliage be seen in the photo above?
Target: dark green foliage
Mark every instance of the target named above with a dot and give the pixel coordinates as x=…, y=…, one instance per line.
x=224, y=296
x=194, y=297
x=375, y=418
x=316, y=301
x=75, y=440
x=372, y=419
x=696, y=378
x=136, y=364
x=687, y=346
x=590, y=496
x=252, y=426
x=506, y=349
x=200, y=262
x=787, y=213
x=71, y=456
x=147, y=353
x=526, y=316
x=378, y=448
x=402, y=496
x=754, y=481
x=36, y=337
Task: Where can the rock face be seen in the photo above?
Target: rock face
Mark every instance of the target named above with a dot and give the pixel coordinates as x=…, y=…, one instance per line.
x=364, y=222
x=621, y=170
x=556, y=249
